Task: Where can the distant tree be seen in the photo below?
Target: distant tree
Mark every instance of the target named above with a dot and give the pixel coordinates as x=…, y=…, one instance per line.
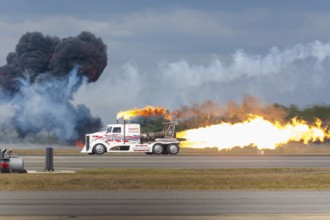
x=148, y=124
x=316, y=111
x=293, y=111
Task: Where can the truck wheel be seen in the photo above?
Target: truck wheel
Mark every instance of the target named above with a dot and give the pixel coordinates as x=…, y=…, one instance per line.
x=173, y=149
x=99, y=149
x=157, y=149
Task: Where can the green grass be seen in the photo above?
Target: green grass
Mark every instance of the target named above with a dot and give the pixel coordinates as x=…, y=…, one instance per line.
x=171, y=179
x=57, y=151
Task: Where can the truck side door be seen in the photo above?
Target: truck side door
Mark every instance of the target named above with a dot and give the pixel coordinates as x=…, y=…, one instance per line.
x=117, y=133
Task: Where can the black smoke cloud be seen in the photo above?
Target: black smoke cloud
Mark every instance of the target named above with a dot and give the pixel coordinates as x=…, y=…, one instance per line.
x=38, y=83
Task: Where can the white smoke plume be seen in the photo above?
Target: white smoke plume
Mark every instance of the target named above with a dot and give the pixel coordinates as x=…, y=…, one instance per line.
x=295, y=75
x=42, y=112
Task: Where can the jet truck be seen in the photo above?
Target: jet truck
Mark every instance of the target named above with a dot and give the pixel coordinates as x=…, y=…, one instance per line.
x=127, y=138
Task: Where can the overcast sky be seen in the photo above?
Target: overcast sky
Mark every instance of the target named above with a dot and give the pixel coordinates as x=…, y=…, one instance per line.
x=175, y=53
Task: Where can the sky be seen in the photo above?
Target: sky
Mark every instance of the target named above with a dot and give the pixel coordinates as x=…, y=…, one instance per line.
x=173, y=53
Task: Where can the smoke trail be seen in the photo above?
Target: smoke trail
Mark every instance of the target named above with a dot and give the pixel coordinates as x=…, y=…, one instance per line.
x=211, y=112
x=296, y=74
x=37, y=86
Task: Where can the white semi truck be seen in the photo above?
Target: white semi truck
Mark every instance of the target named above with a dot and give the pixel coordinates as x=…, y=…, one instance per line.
x=127, y=138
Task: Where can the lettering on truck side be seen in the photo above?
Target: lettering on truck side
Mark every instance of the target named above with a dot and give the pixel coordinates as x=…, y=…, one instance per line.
x=141, y=147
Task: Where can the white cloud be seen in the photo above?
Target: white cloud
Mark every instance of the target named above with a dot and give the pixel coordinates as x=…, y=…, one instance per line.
x=175, y=22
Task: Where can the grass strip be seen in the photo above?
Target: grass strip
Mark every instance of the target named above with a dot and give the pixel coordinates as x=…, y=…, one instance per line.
x=289, y=149
x=171, y=179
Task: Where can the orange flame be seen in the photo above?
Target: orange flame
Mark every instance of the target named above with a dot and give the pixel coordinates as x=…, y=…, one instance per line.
x=146, y=111
x=79, y=144
x=254, y=131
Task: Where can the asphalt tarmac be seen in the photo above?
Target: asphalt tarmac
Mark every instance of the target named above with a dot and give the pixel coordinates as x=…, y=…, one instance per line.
x=207, y=205
x=181, y=203
x=152, y=161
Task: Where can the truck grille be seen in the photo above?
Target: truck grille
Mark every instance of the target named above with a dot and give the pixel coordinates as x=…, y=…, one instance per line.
x=87, y=142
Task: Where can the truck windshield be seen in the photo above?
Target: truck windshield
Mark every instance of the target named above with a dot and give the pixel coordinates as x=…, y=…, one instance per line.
x=109, y=129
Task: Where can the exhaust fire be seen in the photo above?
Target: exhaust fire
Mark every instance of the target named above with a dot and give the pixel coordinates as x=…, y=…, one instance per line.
x=146, y=111
x=254, y=131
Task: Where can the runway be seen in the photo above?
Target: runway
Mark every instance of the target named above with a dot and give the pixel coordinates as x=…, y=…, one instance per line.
x=198, y=162
x=186, y=203
x=213, y=205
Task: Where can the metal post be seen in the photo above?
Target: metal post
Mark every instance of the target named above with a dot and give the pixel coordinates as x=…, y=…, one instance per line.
x=49, y=159
x=124, y=140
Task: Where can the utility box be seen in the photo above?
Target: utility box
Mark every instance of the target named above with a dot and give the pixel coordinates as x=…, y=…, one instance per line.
x=49, y=159
x=10, y=163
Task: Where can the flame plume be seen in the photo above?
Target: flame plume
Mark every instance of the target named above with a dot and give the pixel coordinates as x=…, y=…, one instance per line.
x=254, y=131
x=146, y=111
